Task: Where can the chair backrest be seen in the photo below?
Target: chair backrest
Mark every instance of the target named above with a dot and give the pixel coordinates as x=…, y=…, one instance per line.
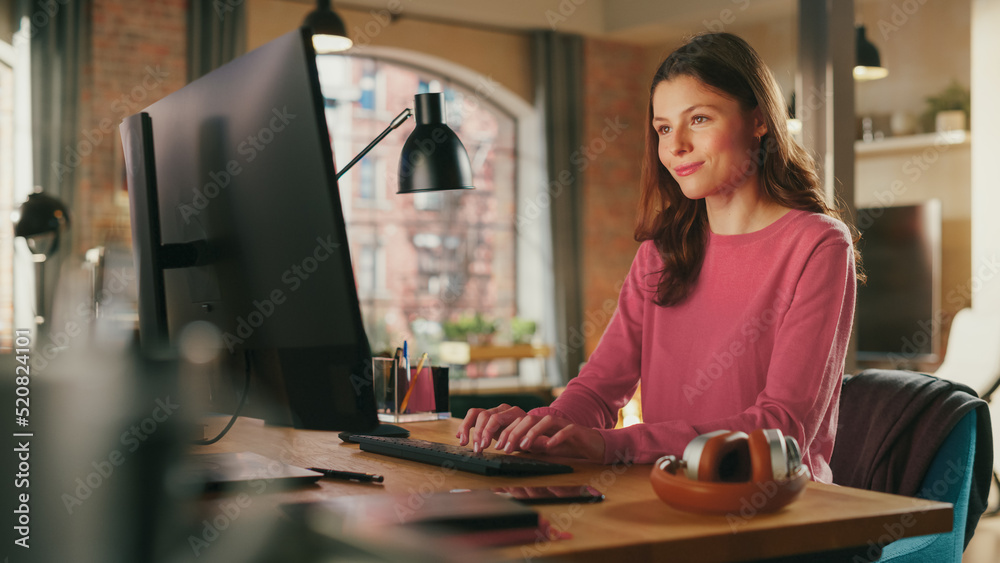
x=973, y=355
x=995, y=420
x=889, y=422
x=949, y=479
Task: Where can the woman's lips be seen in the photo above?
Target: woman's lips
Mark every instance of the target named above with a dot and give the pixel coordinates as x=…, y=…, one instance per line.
x=687, y=169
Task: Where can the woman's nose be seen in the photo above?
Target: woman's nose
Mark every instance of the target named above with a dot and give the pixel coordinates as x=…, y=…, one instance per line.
x=679, y=143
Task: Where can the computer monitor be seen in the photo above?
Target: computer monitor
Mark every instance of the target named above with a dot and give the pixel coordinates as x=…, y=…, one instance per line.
x=899, y=308
x=237, y=221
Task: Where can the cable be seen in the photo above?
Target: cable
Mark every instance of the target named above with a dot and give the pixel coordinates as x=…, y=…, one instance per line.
x=247, y=357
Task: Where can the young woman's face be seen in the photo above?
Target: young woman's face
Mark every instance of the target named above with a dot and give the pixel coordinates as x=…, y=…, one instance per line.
x=706, y=139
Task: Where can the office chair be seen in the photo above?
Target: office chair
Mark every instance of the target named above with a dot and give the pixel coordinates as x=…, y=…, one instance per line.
x=958, y=450
x=888, y=420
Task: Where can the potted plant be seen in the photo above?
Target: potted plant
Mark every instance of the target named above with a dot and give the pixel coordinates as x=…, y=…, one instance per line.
x=476, y=329
x=948, y=110
x=521, y=330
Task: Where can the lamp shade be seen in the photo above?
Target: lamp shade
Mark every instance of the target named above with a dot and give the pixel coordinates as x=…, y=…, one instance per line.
x=329, y=31
x=869, y=64
x=40, y=219
x=433, y=157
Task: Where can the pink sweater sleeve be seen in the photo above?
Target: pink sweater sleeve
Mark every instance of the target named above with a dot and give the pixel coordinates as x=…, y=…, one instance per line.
x=611, y=375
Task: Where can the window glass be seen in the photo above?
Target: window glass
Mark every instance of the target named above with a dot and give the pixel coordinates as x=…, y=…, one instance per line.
x=446, y=254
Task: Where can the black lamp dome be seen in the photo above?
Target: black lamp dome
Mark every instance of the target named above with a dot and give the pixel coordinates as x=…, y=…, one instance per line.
x=329, y=31
x=869, y=63
x=40, y=220
x=433, y=157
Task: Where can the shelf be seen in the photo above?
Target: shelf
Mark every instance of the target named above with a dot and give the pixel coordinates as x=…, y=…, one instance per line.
x=462, y=353
x=910, y=143
x=481, y=385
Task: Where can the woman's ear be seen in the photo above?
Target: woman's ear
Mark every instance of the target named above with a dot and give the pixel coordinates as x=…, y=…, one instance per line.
x=759, y=123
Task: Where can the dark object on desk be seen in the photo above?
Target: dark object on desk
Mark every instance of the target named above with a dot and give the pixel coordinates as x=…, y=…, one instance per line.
x=348, y=475
x=461, y=519
x=894, y=451
x=556, y=494
x=390, y=430
x=458, y=457
x=226, y=471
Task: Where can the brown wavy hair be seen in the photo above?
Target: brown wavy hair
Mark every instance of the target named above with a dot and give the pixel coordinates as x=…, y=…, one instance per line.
x=678, y=225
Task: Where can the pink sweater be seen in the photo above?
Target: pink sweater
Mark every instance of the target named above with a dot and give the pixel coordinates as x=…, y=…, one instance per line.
x=759, y=343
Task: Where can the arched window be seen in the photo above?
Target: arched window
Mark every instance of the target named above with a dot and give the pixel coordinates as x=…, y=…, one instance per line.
x=430, y=256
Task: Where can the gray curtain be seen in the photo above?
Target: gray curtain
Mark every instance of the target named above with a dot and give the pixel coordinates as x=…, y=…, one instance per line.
x=60, y=52
x=60, y=49
x=558, y=73
x=216, y=34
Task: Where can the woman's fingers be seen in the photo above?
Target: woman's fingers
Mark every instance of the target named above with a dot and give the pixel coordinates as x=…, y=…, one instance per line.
x=514, y=433
x=542, y=427
x=489, y=425
x=467, y=423
x=504, y=438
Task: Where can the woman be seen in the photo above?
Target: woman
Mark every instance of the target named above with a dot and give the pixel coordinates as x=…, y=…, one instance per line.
x=737, y=310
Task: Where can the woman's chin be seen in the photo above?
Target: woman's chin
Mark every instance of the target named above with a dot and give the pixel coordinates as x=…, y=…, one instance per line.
x=694, y=192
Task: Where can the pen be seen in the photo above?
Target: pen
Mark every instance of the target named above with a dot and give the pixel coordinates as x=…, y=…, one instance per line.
x=406, y=360
x=348, y=475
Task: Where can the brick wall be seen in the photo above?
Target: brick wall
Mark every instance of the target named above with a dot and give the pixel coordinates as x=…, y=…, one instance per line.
x=139, y=56
x=616, y=82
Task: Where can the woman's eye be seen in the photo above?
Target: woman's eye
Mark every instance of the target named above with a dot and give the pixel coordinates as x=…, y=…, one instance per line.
x=664, y=129
x=700, y=119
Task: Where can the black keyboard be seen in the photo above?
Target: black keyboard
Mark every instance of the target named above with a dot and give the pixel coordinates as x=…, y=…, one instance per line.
x=450, y=455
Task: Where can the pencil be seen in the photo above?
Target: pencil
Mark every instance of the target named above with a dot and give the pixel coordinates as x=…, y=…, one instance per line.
x=413, y=383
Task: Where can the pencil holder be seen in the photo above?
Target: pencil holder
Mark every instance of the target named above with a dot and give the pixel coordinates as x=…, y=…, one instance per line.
x=395, y=402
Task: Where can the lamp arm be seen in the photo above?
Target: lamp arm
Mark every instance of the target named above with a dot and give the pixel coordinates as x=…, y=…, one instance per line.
x=396, y=122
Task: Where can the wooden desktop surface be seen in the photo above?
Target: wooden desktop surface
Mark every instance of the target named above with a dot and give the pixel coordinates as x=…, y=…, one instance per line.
x=631, y=524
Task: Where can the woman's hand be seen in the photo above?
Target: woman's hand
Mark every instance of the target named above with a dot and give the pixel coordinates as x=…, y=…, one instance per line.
x=519, y=431
x=481, y=425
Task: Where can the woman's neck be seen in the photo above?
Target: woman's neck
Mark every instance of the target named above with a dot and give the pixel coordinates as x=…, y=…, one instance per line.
x=742, y=211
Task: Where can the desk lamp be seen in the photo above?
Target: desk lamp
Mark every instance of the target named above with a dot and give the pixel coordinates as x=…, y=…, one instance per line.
x=433, y=157
x=40, y=220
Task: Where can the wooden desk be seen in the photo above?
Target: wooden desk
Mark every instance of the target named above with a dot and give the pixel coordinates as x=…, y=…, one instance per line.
x=632, y=524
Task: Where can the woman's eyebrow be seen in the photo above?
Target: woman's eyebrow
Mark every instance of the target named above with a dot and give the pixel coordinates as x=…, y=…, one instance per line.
x=658, y=118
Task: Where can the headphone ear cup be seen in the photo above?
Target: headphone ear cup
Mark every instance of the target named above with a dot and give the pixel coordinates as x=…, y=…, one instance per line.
x=794, y=454
x=722, y=457
x=693, y=453
x=776, y=456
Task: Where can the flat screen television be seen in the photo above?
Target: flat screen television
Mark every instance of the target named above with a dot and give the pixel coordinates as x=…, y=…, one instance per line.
x=898, y=309
x=237, y=221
